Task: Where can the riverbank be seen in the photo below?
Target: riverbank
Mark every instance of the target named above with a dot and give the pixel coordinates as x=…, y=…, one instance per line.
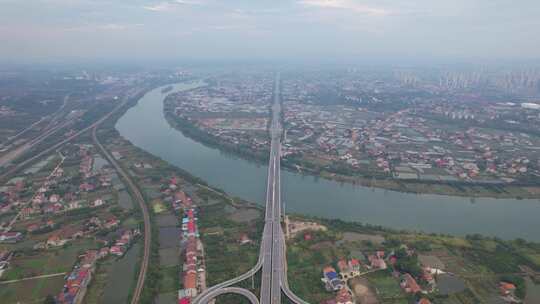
x=373, y=262
x=191, y=131
x=455, y=188
x=462, y=189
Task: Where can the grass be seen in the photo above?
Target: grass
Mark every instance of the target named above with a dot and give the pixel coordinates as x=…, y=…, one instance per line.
x=158, y=206
x=231, y=298
x=386, y=286
x=227, y=261
x=488, y=245
x=47, y=262
x=169, y=281
x=225, y=257
x=130, y=222
x=305, y=266
x=438, y=240
x=31, y=291
x=535, y=258
x=97, y=285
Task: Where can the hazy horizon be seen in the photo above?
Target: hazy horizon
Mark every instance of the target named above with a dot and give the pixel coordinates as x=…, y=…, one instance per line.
x=396, y=31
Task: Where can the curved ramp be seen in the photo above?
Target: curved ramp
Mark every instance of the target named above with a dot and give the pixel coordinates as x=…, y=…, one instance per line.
x=235, y=290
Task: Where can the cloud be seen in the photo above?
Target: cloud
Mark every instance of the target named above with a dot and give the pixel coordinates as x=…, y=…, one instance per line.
x=116, y=26
x=258, y=11
x=160, y=7
x=346, y=5
x=170, y=5
x=104, y=27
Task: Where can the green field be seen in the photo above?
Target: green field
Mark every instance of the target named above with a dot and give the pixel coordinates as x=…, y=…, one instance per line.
x=170, y=279
x=535, y=258
x=225, y=257
x=30, y=291
x=46, y=262
x=386, y=286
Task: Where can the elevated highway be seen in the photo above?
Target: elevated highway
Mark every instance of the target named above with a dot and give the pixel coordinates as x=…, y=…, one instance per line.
x=272, y=256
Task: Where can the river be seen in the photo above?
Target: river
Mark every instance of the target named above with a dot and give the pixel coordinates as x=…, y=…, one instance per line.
x=145, y=126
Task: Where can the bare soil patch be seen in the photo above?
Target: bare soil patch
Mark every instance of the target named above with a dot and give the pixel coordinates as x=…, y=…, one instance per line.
x=364, y=294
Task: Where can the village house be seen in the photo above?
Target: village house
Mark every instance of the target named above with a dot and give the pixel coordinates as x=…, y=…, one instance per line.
x=77, y=282
x=376, y=262
x=5, y=208
x=52, y=208
x=506, y=288
x=56, y=241
x=27, y=212
x=10, y=237
x=32, y=227
x=96, y=203
x=117, y=250
x=409, y=284
x=55, y=198
x=86, y=187
x=193, y=273
x=244, y=239
x=331, y=279
x=350, y=269
x=344, y=297
x=74, y=205
x=103, y=252
x=111, y=223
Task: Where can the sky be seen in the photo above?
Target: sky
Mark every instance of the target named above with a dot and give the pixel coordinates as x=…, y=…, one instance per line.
x=347, y=30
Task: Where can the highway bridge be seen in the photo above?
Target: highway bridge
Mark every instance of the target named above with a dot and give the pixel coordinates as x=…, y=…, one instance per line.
x=272, y=257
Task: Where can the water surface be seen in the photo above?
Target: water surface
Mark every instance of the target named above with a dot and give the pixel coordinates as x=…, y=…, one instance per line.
x=121, y=274
x=145, y=126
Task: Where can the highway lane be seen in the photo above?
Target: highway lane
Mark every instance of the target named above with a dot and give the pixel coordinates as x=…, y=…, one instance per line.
x=267, y=274
x=270, y=279
x=52, y=127
x=272, y=257
x=241, y=291
x=53, y=117
x=270, y=286
x=18, y=151
x=216, y=290
x=276, y=195
x=16, y=168
x=279, y=257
